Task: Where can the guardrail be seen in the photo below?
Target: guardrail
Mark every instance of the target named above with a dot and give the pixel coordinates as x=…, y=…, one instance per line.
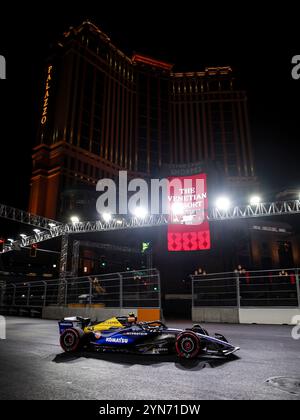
x=130, y=289
x=264, y=288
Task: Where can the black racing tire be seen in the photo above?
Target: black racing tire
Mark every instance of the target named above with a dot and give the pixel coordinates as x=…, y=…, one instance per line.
x=71, y=340
x=187, y=345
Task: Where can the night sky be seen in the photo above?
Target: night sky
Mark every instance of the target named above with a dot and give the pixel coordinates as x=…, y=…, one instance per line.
x=258, y=44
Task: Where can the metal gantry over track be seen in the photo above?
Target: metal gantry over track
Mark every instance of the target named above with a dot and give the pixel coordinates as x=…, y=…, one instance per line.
x=25, y=217
x=56, y=229
x=255, y=210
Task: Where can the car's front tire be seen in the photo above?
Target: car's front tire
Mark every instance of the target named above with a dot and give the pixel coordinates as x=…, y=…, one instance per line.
x=188, y=345
x=71, y=339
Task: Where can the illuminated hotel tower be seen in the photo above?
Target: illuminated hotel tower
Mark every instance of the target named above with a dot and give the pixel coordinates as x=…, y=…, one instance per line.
x=102, y=112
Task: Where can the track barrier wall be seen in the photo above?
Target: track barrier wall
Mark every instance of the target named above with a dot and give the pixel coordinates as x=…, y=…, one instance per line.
x=248, y=297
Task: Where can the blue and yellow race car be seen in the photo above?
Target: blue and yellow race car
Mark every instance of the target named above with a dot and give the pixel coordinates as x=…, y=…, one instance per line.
x=125, y=334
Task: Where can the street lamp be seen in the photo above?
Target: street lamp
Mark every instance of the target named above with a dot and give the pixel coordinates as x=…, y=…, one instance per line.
x=36, y=231
x=223, y=203
x=23, y=235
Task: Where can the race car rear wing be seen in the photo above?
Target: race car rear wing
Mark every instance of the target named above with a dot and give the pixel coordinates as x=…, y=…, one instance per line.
x=73, y=322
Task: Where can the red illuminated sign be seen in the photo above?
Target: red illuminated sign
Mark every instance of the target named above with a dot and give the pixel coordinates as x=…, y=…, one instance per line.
x=188, y=208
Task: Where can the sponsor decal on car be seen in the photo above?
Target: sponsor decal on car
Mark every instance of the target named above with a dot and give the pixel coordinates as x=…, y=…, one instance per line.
x=117, y=340
x=105, y=325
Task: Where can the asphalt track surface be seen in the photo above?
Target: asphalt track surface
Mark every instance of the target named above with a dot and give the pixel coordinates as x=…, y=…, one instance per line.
x=33, y=366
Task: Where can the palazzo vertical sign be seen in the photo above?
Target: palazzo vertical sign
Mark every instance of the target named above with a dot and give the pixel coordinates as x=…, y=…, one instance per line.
x=46, y=96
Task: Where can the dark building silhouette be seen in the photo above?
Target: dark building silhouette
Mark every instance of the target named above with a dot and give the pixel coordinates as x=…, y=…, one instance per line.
x=102, y=112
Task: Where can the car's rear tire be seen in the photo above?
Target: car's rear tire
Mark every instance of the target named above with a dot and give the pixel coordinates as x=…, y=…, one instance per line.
x=71, y=339
x=188, y=345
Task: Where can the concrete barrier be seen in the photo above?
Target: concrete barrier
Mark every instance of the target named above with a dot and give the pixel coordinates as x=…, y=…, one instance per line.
x=215, y=314
x=269, y=315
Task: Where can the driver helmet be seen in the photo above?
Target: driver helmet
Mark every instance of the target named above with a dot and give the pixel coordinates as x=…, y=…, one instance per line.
x=132, y=318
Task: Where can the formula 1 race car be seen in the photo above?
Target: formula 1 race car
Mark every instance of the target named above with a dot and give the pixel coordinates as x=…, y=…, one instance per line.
x=125, y=334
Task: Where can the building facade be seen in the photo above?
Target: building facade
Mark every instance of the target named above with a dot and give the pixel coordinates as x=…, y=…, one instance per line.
x=103, y=112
